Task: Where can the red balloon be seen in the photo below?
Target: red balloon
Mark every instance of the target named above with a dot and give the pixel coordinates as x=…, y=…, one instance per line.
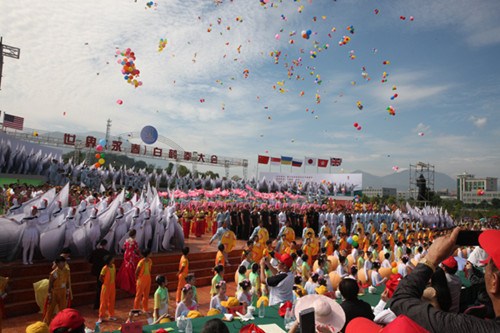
x=356, y=125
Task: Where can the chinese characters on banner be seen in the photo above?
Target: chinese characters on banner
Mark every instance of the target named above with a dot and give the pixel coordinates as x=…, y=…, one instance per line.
x=116, y=146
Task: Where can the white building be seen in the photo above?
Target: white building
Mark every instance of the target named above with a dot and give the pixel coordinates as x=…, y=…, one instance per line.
x=371, y=192
x=473, y=190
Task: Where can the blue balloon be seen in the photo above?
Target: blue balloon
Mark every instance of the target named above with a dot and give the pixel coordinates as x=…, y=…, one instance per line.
x=149, y=135
x=102, y=142
x=308, y=32
x=349, y=240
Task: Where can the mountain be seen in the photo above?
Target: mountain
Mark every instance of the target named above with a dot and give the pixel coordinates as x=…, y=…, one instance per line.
x=401, y=180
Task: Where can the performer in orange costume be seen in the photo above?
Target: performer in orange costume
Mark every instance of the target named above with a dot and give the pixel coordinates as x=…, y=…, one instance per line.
x=183, y=272
x=59, y=286
x=108, y=291
x=143, y=277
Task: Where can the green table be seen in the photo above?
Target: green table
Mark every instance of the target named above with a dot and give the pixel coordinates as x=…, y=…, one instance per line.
x=272, y=317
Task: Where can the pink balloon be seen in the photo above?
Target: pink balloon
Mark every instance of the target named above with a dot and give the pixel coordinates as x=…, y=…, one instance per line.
x=119, y=102
x=98, y=148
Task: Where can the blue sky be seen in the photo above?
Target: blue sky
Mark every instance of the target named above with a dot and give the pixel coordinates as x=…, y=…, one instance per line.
x=444, y=65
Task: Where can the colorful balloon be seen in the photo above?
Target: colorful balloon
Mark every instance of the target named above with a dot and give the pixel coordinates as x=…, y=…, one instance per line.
x=99, y=148
x=101, y=161
x=119, y=102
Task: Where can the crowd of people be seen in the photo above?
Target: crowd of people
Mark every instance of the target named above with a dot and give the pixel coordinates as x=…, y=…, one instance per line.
x=296, y=254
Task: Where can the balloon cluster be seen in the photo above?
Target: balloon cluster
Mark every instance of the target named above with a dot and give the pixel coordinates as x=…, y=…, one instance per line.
x=345, y=40
x=394, y=96
x=420, y=133
x=352, y=56
x=386, y=62
x=162, y=44
x=353, y=240
x=395, y=168
x=246, y=72
x=318, y=98
x=357, y=126
x=350, y=29
x=99, y=154
x=151, y=4
x=384, y=77
x=130, y=72
x=306, y=34
x=391, y=110
x=359, y=105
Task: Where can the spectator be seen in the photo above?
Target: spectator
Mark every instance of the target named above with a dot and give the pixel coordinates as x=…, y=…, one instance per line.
x=215, y=326
x=187, y=304
x=97, y=260
x=280, y=284
x=328, y=314
x=352, y=306
x=407, y=298
x=450, y=267
x=66, y=321
x=160, y=307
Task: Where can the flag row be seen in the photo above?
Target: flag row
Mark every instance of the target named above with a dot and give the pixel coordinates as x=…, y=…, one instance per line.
x=307, y=161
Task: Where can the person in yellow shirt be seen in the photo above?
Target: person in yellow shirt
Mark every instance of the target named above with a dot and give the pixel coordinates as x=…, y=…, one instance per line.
x=108, y=290
x=311, y=249
x=182, y=273
x=257, y=250
x=330, y=245
x=365, y=243
x=220, y=257
x=143, y=278
x=383, y=226
x=59, y=287
x=268, y=249
x=342, y=243
x=371, y=227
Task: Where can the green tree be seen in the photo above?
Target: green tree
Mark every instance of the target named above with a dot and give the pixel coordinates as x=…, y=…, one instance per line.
x=182, y=170
x=234, y=178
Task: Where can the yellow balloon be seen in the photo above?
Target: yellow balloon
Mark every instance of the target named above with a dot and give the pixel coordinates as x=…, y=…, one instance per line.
x=355, y=238
x=101, y=161
x=395, y=270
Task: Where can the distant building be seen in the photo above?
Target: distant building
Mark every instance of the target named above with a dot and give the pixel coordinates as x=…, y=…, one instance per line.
x=405, y=195
x=471, y=190
x=371, y=192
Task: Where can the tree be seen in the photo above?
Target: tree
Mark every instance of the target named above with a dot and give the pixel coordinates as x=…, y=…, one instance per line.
x=182, y=170
x=235, y=178
x=169, y=168
x=495, y=202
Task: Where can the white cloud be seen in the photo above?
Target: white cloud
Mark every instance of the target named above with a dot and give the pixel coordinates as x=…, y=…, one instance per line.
x=479, y=122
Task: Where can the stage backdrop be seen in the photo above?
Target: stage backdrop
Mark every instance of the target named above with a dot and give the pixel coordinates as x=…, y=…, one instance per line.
x=353, y=182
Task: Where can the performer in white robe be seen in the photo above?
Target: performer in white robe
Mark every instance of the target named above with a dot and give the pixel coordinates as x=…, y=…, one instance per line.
x=95, y=228
x=171, y=220
x=70, y=224
x=120, y=229
x=15, y=208
x=147, y=229
x=137, y=224
x=31, y=236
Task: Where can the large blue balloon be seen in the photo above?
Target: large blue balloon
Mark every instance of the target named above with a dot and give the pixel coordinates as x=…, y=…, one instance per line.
x=149, y=135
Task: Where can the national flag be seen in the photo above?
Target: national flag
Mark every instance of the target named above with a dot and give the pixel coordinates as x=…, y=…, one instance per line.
x=310, y=160
x=335, y=161
x=296, y=163
x=286, y=160
x=275, y=160
x=263, y=159
x=13, y=121
x=322, y=163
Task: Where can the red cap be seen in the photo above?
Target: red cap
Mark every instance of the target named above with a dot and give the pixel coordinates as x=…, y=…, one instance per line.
x=401, y=324
x=489, y=240
x=450, y=262
x=285, y=259
x=282, y=309
x=69, y=318
x=392, y=283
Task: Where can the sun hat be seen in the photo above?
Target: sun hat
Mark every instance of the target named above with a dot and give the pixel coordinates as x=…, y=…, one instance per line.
x=326, y=310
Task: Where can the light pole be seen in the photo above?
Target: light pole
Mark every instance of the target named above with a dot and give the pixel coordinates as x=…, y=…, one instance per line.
x=8, y=51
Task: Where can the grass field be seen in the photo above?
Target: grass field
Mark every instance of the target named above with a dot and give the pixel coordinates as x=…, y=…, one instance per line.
x=20, y=180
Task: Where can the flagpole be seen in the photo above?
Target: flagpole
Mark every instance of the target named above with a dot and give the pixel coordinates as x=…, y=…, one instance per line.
x=257, y=168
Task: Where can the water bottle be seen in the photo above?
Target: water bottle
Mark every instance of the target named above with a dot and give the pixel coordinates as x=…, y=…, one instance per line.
x=288, y=319
x=262, y=310
x=189, y=326
x=97, y=328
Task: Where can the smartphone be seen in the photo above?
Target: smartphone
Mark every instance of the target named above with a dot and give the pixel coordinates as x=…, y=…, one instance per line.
x=468, y=237
x=307, y=321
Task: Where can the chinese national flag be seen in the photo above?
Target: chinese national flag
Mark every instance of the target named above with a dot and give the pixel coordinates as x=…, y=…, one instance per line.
x=322, y=163
x=263, y=159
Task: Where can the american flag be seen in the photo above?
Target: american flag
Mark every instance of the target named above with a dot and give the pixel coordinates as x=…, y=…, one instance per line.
x=334, y=161
x=13, y=121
